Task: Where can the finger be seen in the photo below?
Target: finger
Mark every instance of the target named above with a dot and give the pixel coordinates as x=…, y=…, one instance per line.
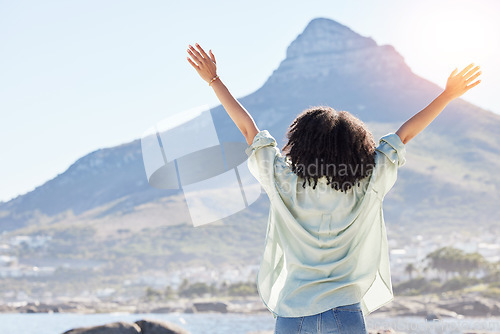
x=454, y=72
x=192, y=63
x=462, y=72
x=200, y=57
x=212, y=56
x=195, y=58
x=202, y=51
x=473, y=77
x=471, y=72
x=473, y=85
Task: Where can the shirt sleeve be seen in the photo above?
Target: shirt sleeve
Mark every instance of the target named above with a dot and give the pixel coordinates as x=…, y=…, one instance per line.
x=261, y=158
x=390, y=154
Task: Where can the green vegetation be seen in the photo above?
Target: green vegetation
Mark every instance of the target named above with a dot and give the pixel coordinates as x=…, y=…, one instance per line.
x=450, y=260
x=456, y=271
x=201, y=289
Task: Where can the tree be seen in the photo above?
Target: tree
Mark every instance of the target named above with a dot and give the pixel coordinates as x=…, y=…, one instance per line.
x=473, y=263
x=169, y=293
x=409, y=269
x=152, y=294
x=451, y=260
x=445, y=260
x=195, y=290
x=243, y=289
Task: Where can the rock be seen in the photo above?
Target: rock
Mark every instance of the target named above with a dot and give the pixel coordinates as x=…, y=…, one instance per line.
x=139, y=327
x=210, y=307
x=189, y=309
x=163, y=309
x=6, y=309
x=38, y=308
x=432, y=316
x=408, y=306
x=69, y=307
x=476, y=306
x=159, y=327
x=443, y=313
x=30, y=309
x=112, y=328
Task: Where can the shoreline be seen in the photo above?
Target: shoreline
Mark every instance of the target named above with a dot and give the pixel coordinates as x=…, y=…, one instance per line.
x=427, y=306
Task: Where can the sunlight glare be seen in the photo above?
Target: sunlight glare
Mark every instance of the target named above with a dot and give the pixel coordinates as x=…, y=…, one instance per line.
x=459, y=38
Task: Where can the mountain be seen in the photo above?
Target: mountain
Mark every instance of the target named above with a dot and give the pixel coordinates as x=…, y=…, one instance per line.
x=102, y=206
x=450, y=176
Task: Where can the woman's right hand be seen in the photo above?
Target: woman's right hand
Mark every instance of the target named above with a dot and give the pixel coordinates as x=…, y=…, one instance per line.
x=205, y=65
x=459, y=83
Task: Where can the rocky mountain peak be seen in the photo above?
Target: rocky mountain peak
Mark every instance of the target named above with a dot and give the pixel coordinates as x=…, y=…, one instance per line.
x=324, y=35
x=327, y=51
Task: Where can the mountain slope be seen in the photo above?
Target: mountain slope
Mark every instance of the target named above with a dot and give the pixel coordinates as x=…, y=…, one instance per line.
x=450, y=176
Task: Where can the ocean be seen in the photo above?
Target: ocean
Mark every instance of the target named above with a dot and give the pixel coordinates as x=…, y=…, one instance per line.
x=58, y=323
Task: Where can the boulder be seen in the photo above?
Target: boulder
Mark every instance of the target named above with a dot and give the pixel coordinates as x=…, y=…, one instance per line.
x=159, y=327
x=112, y=328
x=210, y=307
x=473, y=307
x=189, y=309
x=163, y=309
x=431, y=316
x=29, y=309
x=6, y=309
x=36, y=307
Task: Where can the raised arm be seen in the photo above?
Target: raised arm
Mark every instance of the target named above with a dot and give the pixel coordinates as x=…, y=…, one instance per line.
x=207, y=69
x=456, y=86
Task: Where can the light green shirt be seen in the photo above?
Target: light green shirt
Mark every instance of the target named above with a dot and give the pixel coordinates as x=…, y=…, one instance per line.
x=324, y=248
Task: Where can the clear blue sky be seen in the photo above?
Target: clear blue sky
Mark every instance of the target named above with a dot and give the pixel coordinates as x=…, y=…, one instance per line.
x=79, y=75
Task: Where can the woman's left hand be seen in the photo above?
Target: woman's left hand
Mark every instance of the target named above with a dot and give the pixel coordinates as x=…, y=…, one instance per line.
x=460, y=83
x=202, y=63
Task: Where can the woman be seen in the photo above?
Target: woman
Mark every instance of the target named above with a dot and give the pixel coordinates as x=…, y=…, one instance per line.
x=325, y=264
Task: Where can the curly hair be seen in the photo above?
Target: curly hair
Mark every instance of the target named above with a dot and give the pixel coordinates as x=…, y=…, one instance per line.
x=340, y=142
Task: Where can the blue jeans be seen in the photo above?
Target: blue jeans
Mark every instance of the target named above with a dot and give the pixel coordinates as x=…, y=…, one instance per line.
x=347, y=319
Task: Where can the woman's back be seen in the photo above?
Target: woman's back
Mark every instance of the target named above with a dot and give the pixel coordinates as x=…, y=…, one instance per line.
x=324, y=247
x=307, y=203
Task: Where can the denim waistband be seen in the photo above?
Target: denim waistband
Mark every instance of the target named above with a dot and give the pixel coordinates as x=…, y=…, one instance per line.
x=350, y=306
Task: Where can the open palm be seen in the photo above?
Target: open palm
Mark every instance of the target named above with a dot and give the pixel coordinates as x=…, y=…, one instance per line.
x=459, y=83
x=204, y=64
